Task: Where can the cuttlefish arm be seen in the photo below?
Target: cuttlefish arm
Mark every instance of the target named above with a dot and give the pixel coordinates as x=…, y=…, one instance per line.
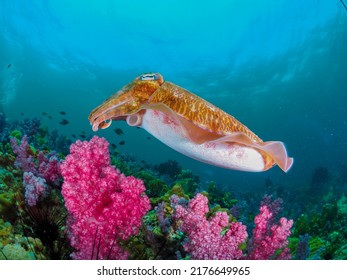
x=126, y=101
x=111, y=109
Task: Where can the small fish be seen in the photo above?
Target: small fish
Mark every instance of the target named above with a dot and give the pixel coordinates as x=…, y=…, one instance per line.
x=73, y=135
x=64, y=122
x=50, y=117
x=22, y=114
x=62, y=113
x=149, y=138
x=114, y=146
x=83, y=136
x=8, y=66
x=121, y=142
x=44, y=113
x=118, y=131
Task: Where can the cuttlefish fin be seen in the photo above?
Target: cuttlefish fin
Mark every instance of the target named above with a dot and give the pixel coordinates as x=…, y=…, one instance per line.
x=191, y=131
x=278, y=152
x=275, y=149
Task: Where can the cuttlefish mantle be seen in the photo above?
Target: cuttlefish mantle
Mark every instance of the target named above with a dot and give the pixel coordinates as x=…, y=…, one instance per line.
x=189, y=125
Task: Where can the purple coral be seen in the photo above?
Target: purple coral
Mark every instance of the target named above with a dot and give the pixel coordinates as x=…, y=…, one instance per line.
x=35, y=188
x=23, y=161
x=38, y=174
x=303, y=249
x=163, y=221
x=275, y=207
x=48, y=166
x=29, y=126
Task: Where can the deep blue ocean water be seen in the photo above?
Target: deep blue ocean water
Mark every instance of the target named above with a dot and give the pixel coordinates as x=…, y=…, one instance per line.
x=280, y=67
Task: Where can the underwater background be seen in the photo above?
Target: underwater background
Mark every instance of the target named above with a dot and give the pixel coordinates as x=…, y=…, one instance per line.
x=279, y=67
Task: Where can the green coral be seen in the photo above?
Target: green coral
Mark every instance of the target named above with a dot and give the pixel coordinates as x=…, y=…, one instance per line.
x=151, y=221
x=155, y=187
x=302, y=225
x=15, y=252
x=16, y=134
x=218, y=208
x=316, y=246
x=188, y=181
x=11, y=246
x=8, y=181
x=341, y=253
x=175, y=190
x=6, y=158
x=342, y=205
x=216, y=196
x=5, y=231
x=23, y=248
x=121, y=165
x=7, y=206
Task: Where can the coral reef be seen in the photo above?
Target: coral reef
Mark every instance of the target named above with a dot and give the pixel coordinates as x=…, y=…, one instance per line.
x=96, y=206
x=171, y=168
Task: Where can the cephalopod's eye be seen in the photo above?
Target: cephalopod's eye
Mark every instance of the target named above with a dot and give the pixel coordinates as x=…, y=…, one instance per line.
x=148, y=77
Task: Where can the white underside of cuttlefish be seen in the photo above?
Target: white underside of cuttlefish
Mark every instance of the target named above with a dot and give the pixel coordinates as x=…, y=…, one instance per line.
x=235, y=151
x=223, y=154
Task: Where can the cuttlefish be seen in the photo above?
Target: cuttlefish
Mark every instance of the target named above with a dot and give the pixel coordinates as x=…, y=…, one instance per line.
x=190, y=125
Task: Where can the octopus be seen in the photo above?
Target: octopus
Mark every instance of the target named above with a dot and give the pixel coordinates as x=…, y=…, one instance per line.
x=190, y=125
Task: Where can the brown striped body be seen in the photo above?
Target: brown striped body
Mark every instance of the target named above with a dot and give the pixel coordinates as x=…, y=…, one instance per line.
x=199, y=111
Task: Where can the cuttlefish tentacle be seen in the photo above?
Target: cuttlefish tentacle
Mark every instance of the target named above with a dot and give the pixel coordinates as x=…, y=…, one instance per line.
x=126, y=101
x=190, y=125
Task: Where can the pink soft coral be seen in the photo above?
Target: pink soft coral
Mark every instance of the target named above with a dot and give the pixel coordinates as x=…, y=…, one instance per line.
x=205, y=238
x=268, y=239
x=104, y=205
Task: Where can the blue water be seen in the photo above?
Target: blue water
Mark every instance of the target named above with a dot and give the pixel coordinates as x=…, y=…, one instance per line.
x=280, y=67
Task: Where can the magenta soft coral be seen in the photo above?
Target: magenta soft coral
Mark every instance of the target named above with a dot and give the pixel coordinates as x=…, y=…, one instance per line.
x=104, y=205
x=269, y=239
x=205, y=240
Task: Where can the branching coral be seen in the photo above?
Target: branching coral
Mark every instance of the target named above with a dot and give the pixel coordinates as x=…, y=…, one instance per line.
x=268, y=239
x=205, y=238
